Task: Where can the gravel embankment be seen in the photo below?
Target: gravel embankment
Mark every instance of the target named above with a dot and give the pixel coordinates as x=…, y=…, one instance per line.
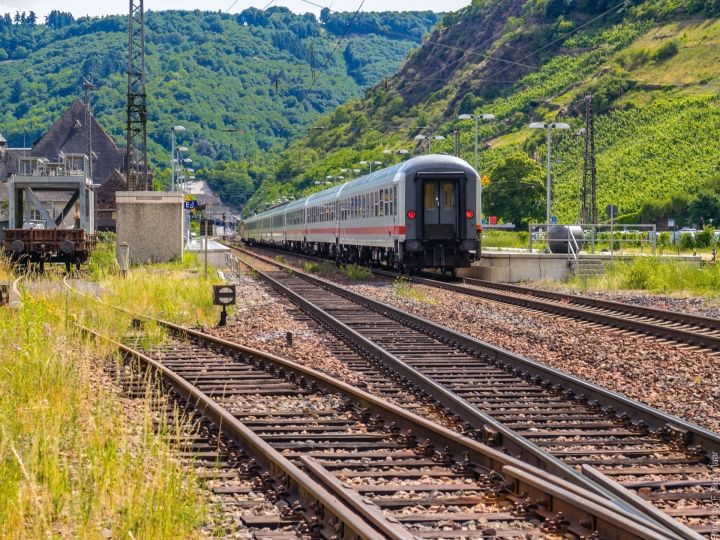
x=262, y=322
x=683, y=382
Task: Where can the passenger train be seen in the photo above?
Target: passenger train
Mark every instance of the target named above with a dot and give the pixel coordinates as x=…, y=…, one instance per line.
x=417, y=214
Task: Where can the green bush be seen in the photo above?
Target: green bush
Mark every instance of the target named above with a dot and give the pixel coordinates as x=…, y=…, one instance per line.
x=667, y=50
x=705, y=238
x=687, y=242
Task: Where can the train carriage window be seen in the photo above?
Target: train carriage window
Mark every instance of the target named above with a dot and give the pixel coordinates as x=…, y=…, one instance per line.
x=381, y=203
x=448, y=189
x=395, y=200
x=430, y=195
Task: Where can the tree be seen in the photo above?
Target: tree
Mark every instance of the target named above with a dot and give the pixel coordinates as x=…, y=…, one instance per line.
x=516, y=189
x=31, y=19
x=704, y=207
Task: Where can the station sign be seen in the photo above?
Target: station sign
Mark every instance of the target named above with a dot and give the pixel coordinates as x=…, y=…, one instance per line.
x=190, y=205
x=493, y=220
x=553, y=220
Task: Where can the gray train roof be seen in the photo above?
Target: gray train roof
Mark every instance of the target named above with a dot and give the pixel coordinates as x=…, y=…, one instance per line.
x=430, y=163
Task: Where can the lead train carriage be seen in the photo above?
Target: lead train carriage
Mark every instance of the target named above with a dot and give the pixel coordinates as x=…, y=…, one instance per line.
x=418, y=214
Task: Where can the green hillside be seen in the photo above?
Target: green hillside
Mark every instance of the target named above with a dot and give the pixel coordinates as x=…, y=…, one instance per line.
x=652, y=67
x=264, y=75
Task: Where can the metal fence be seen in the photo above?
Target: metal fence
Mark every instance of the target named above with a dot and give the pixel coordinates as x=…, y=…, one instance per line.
x=606, y=238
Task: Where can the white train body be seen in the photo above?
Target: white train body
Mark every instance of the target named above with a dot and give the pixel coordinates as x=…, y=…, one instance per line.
x=417, y=214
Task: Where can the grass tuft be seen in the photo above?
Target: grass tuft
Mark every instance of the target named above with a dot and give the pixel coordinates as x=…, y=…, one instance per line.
x=404, y=289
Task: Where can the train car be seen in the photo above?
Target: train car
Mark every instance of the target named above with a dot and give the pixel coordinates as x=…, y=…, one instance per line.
x=417, y=214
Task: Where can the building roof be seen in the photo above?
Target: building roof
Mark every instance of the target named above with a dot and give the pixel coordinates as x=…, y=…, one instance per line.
x=67, y=135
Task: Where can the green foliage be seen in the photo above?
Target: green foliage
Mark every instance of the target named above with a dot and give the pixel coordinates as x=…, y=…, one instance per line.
x=667, y=50
x=660, y=275
x=356, y=273
x=515, y=192
x=241, y=84
x=102, y=261
x=323, y=267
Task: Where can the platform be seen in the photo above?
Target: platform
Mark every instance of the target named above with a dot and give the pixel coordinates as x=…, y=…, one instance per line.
x=218, y=254
x=514, y=266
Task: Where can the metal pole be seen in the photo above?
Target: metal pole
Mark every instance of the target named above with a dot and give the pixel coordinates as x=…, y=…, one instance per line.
x=172, y=162
x=549, y=189
x=612, y=238
x=206, y=249
x=477, y=168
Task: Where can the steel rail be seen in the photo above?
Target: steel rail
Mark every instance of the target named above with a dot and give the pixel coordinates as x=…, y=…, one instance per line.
x=642, y=311
x=580, y=506
x=515, y=443
x=570, y=305
x=274, y=461
x=635, y=411
x=562, y=306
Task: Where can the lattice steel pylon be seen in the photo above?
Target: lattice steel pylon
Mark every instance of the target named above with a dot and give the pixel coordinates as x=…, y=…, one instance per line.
x=136, y=154
x=588, y=212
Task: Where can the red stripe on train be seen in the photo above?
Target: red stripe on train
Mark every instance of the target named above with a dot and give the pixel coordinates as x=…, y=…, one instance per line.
x=397, y=229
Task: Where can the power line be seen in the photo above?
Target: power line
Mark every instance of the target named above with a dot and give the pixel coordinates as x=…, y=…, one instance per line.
x=339, y=41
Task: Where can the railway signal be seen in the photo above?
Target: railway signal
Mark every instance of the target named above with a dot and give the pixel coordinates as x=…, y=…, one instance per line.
x=224, y=295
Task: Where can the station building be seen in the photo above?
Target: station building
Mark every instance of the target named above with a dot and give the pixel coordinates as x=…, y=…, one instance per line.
x=68, y=137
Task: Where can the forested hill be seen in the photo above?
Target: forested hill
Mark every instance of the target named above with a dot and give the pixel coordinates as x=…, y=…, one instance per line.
x=263, y=75
x=653, y=69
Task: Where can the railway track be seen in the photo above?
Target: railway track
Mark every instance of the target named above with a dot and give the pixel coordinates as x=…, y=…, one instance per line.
x=682, y=328
x=655, y=462
x=337, y=462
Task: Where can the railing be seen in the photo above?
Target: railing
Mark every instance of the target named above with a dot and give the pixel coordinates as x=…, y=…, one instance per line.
x=573, y=246
x=610, y=238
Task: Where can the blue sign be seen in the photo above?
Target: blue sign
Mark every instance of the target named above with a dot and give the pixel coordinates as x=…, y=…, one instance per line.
x=483, y=221
x=189, y=205
x=553, y=220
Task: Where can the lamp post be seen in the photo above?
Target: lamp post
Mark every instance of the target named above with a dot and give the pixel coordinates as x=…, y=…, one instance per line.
x=477, y=118
x=173, y=130
x=548, y=126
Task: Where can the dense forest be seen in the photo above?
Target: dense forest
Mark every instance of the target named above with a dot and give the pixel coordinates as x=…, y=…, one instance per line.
x=650, y=65
x=241, y=84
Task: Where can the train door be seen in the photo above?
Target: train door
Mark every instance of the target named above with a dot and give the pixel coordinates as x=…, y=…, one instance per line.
x=440, y=208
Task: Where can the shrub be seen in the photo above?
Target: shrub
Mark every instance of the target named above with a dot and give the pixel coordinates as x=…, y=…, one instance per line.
x=666, y=51
x=687, y=241
x=705, y=238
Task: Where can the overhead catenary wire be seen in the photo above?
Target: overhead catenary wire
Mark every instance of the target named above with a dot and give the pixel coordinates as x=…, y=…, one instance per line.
x=339, y=41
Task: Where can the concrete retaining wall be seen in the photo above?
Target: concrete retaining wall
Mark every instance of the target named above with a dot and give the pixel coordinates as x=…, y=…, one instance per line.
x=514, y=267
x=151, y=222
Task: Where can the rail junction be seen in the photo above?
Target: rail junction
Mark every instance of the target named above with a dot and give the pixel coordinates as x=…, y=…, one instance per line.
x=341, y=463
x=682, y=328
x=654, y=462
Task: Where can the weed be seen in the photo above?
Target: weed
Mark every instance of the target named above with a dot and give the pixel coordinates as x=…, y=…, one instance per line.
x=355, y=272
x=403, y=288
x=281, y=259
x=323, y=267
x=659, y=275
x=73, y=464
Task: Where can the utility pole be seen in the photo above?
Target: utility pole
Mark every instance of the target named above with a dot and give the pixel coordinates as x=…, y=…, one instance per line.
x=88, y=86
x=457, y=142
x=589, y=192
x=136, y=154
